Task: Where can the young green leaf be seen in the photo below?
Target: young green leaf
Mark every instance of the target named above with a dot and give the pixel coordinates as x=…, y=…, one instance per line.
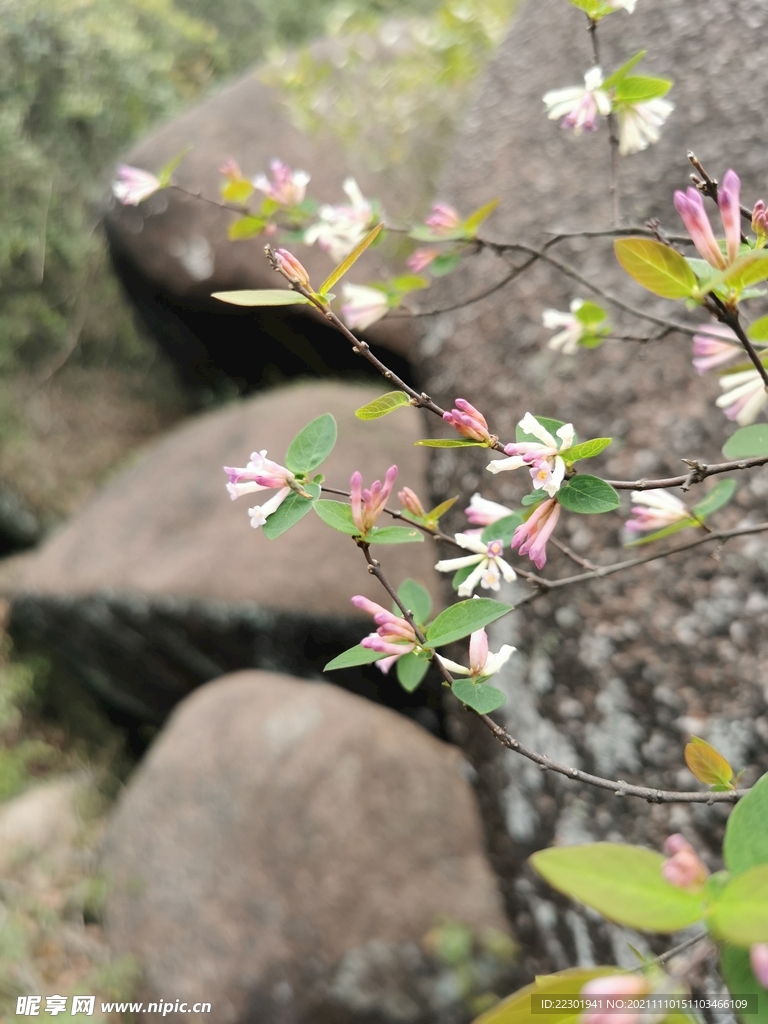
x=522, y=1006
x=534, y=498
x=501, y=530
x=665, y=531
x=450, y=442
x=464, y=618
x=737, y=975
x=656, y=267
x=261, y=297
x=237, y=191
x=166, y=172
x=613, y=80
x=481, y=697
x=353, y=257
x=639, y=89
x=740, y=915
x=746, y=834
x=337, y=515
x=624, y=883
x=409, y=283
x=474, y=220
x=747, y=270
x=357, y=655
x=445, y=264
x=585, y=450
x=411, y=669
x=439, y=510
x=747, y=443
x=549, y=424
x=717, y=498
x=758, y=331
x=245, y=227
x=416, y=599
x=312, y=445
x=395, y=535
x=707, y=764
x=588, y=495
x=382, y=405
x=590, y=314
x=290, y=512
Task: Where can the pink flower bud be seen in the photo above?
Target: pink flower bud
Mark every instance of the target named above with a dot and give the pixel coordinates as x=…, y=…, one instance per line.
x=614, y=985
x=231, y=169
x=291, y=267
x=690, y=206
x=468, y=421
x=444, y=219
x=684, y=869
x=758, y=958
x=760, y=218
x=530, y=538
x=421, y=259
x=411, y=501
x=730, y=212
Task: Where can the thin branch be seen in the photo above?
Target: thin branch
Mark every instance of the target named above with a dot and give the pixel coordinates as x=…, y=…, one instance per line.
x=680, y=948
x=583, y=562
x=699, y=471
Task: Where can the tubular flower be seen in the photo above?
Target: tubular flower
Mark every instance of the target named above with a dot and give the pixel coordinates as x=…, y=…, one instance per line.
x=758, y=958
x=690, y=206
x=745, y=395
x=394, y=636
x=468, y=421
x=341, y=228
x=760, y=219
x=421, y=259
x=482, y=663
x=661, y=509
x=530, y=538
x=639, y=124
x=618, y=985
x=685, y=869
x=287, y=187
x=567, y=341
x=579, y=107
x=489, y=565
x=132, y=185
x=261, y=474
x=708, y=352
x=547, y=468
x=482, y=512
x=260, y=513
x=444, y=219
x=291, y=267
x=363, y=306
x=368, y=504
x=411, y=502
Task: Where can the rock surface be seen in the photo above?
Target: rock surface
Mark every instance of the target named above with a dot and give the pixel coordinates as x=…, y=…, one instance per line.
x=614, y=676
x=283, y=849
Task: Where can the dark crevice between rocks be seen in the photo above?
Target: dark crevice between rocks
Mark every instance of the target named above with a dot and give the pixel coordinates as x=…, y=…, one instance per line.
x=20, y=528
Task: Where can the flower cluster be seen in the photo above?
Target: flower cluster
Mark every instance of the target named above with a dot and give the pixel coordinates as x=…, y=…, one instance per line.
x=260, y=474
x=469, y=422
x=368, y=503
x=287, y=187
x=690, y=206
x=654, y=510
x=340, y=228
x=489, y=566
x=394, y=635
x=482, y=662
x=542, y=458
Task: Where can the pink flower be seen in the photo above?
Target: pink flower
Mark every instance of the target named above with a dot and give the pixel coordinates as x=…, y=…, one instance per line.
x=541, y=457
x=690, y=206
x=579, y=106
x=490, y=567
x=421, y=259
x=341, y=228
x=368, y=504
x=444, y=219
x=482, y=663
x=287, y=187
x=260, y=474
x=758, y=958
x=363, y=306
x=684, y=869
x=394, y=636
x=530, y=538
x=760, y=218
x=231, y=169
x=661, y=509
x=468, y=421
x=260, y=513
x=132, y=185
x=709, y=352
x=291, y=267
x=411, y=502
x=614, y=985
x=482, y=512
x=730, y=212
x=745, y=395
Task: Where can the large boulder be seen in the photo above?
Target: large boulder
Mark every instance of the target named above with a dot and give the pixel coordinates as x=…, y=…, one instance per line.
x=613, y=675
x=159, y=583
x=282, y=851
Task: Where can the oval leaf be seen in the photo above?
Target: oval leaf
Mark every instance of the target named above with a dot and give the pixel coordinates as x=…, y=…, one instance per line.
x=312, y=445
x=590, y=314
x=758, y=331
x=411, y=669
x=383, y=405
x=518, y=1008
x=740, y=914
x=656, y=267
x=357, y=655
x=394, y=535
x=746, y=834
x=264, y=297
x=290, y=512
x=707, y=764
x=464, y=618
x=337, y=515
x=588, y=495
x=585, y=450
x=624, y=883
x=474, y=220
x=416, y=599
x=353, y=257
x=479, y=696
x=245, y=227
x=502, y=530
x=717, y=498
x=747, y=270
x=747, y=443
x=738, y=976
x=450, y=442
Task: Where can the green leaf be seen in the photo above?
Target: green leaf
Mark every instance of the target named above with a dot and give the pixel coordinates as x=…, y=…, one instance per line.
x=590, y=314
x=445, y=264
x=464, y=618
x=501, y=530
x=534, y=498
x=353, y=257
x=411, y=669
x=409, y=283
x=394, y=535
x=746, y=834
x=312, y=445
x=740, y=915
x=245, y=227
x=624, y=883
x=638, y=89
x=423, y=233
x=585, y=450
x=474, y=220
x=450, y=442
x=758, y=331
x=747, y=270
x=439, y=510
x=588, y=495
x=382, y=405
x=479, y=696
x=416, y=599
x=549, y=424
x=707, y=764
x=357, y=655
x=738, y=976
x=262, y=297
x=461, y=574
x=337, y=515
x=166, y=172
x=665, y=531
x=613, y=80
x=290, y=512
x=717, y=498
x=237, y=191
x=656, y=267
x=519, y=1007
x=747, y=442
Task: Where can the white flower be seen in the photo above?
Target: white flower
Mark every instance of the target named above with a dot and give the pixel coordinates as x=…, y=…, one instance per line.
x=260, y=513
x=288, y=187
x=482, y=663
x=363, y=306
x=628, y=5
x=745, y=395
x=640, y=124
x=660, y=509
x=489, y=565
x=547, y=468
x=579, y=106
x=482, y=512
x=132, y=185
x=574, y=330
x=341, y=228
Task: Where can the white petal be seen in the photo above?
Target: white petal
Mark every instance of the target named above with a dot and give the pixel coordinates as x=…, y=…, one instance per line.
x=593, y=79
x=495, y=661
x=502, y=465
x=552, y=318
x=507, y=571
x=469, y=584
x=658, y=498
x=451, y=564
x=454, y=667
x=531, y=425
x=566, y=433
x=752, y=408
x=466, y=540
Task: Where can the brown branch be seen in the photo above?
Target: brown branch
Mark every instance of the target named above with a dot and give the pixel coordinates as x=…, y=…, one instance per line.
x=699, y=471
